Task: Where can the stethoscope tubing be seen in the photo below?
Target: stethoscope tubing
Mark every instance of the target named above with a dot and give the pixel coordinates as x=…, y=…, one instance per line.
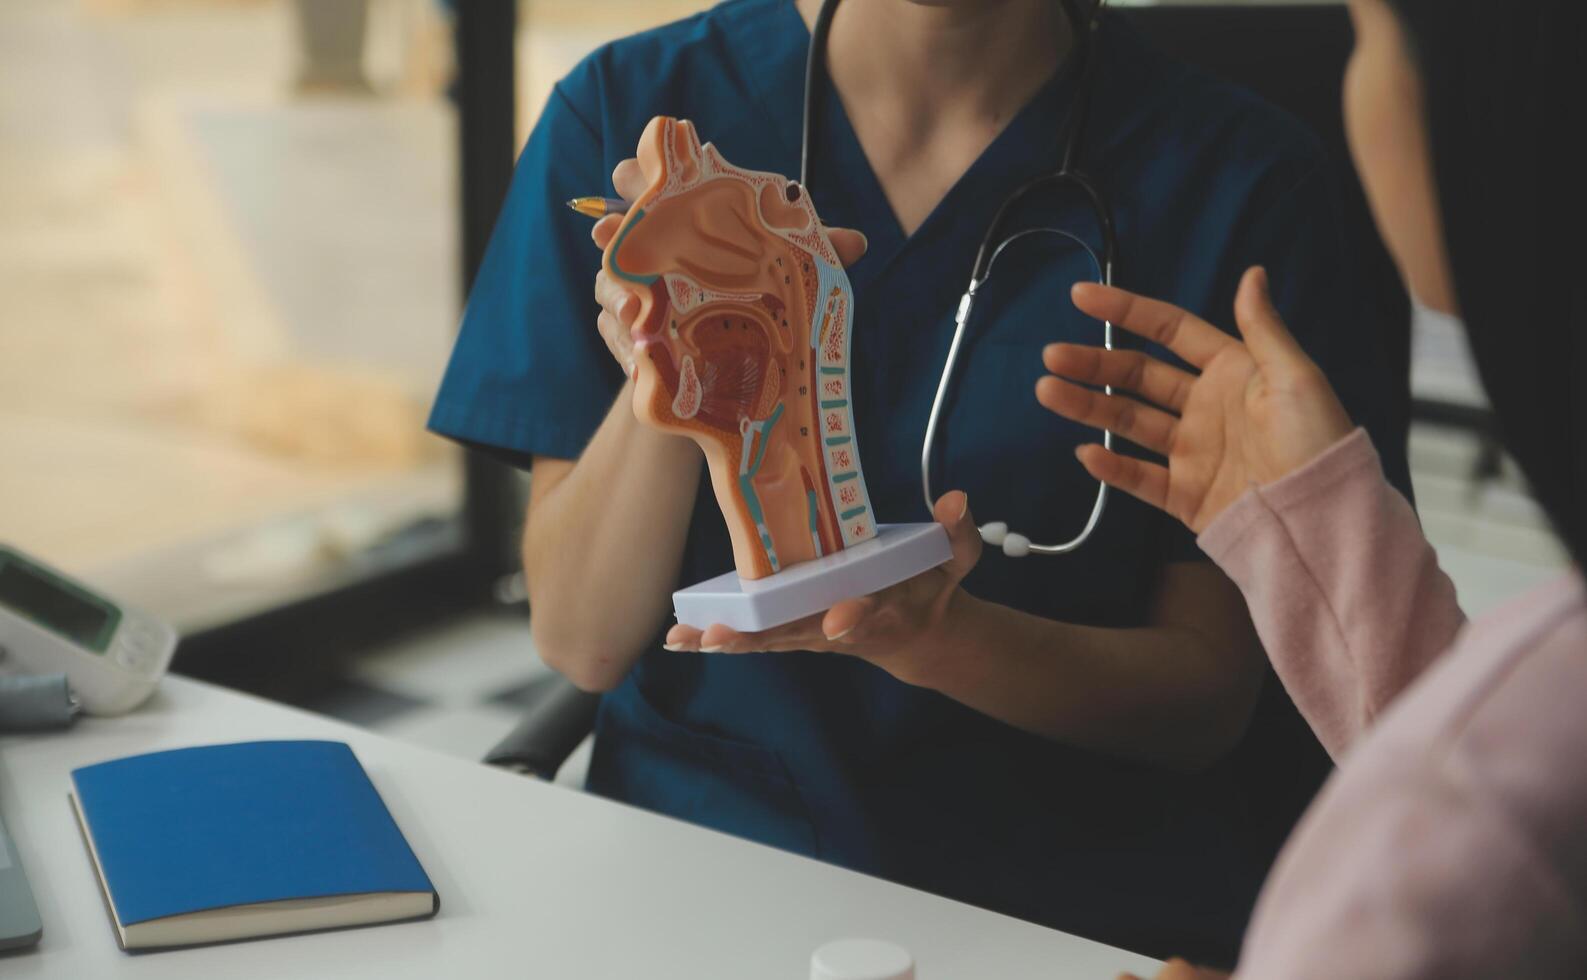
x=996, y=533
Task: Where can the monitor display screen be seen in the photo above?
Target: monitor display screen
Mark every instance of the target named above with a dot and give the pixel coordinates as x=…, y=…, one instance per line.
x=53, y=604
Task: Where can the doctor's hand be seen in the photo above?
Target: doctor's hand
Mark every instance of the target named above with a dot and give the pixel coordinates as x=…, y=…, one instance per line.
x=1255, y=411
x=620, y=307
x=901, y=629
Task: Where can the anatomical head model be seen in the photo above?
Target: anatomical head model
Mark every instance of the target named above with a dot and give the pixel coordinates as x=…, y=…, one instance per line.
x=742, y=344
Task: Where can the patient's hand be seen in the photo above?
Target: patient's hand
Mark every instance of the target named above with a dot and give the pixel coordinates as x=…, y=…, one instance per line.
x=1256, y=411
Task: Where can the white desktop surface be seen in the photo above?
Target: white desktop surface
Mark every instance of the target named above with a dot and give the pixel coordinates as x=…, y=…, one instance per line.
x=535, y=880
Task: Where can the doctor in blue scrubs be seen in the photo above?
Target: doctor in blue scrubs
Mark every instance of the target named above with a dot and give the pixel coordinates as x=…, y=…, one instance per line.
x=1089, y=741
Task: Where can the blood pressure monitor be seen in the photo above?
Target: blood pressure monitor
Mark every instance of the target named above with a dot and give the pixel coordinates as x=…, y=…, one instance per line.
x=112, y=656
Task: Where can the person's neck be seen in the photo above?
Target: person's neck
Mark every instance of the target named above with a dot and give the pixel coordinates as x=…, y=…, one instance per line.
x=967, y=63
x=928, y=88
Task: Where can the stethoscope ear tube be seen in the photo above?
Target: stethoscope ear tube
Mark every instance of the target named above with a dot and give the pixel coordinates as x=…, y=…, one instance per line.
x=815, y=82
x=962, y=317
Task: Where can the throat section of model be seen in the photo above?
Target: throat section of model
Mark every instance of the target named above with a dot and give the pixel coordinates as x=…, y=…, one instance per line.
x=742, y=344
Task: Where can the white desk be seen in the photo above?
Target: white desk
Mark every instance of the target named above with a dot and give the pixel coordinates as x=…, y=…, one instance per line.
x=535, y=880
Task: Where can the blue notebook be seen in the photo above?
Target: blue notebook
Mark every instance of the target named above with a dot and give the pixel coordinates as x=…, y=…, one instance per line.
x=223, y=842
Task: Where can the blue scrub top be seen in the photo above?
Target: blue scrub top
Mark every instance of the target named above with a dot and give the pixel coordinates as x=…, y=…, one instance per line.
x=828, y=756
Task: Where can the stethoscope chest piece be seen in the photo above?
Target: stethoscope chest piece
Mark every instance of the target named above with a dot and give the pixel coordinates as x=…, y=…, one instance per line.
x=997, y=534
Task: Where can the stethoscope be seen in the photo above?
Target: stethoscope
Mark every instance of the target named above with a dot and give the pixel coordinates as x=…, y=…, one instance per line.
x=1081, y=66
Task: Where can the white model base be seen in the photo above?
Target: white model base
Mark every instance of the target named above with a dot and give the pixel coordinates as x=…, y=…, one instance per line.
x=898, y=552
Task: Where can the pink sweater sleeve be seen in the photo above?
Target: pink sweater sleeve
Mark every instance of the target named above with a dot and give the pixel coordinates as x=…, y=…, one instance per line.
x=1345, y=591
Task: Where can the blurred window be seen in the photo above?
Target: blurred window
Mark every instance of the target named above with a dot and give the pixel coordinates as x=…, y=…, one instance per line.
x=229, y=286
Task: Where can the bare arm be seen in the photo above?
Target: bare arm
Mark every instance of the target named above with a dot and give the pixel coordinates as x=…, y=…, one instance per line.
x=603, y=543
x=1177, y=692
x=604, y=537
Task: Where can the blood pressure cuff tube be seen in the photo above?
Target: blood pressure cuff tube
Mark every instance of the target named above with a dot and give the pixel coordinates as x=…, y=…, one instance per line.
x=35, y=703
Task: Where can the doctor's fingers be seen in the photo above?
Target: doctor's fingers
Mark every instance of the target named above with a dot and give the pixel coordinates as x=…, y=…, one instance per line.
x=952, y=511
x=1131, y=370
x=803, y=634
x=849, y=244
x=616, y=299
x=800, y=635
x=1186, y=334
x=604, y=230
x=618, y=340
x=628, y=180
x=1142, y=424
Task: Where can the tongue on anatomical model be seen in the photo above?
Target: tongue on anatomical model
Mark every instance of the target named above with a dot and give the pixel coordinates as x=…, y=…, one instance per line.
x=742, y=344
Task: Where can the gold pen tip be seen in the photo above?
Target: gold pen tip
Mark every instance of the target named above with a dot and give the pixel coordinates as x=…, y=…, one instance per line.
x=593, y=207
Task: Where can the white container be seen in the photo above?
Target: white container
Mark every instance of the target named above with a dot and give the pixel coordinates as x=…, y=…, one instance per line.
x=861, y=959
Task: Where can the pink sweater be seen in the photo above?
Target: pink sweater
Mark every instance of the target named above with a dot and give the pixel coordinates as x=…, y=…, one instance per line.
x=1452, y=841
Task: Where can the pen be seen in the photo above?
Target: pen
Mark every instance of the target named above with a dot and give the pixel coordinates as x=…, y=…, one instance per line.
x=597, y=207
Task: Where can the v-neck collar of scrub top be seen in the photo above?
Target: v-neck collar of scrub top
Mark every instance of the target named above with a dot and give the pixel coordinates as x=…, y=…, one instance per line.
x=776, y=71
